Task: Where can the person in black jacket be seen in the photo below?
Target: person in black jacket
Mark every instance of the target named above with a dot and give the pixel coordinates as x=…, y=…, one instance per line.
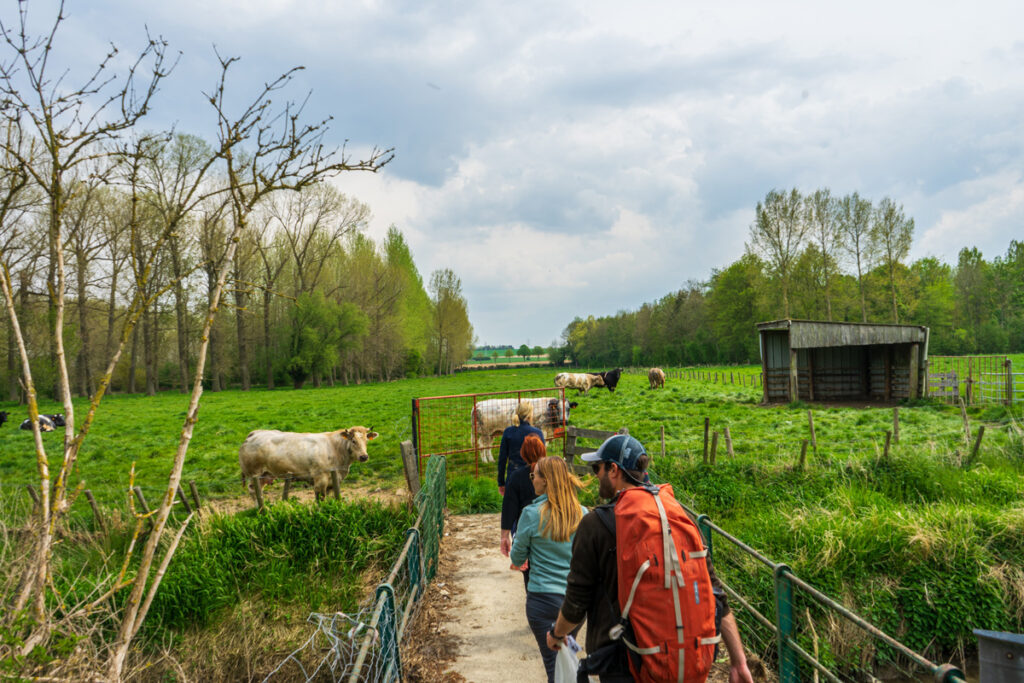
x=512, y=441
x=518, y=494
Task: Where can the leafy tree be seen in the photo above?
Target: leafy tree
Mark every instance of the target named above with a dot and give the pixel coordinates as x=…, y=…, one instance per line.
x=509, y=352
x=524, y=351
x=453, y=337
x=321, y=330
x=538, y=351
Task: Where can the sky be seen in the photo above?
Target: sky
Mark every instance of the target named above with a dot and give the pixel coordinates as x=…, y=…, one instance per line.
x=580, y=158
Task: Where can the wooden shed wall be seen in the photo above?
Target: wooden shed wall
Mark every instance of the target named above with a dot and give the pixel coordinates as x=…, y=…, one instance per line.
x=842, y=373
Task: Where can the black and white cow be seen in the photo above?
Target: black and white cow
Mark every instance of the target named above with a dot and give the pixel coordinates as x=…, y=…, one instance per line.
x=47, y=423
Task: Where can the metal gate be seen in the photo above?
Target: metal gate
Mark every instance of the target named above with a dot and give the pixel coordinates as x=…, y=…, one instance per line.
x=977, y=379
x=451, y=426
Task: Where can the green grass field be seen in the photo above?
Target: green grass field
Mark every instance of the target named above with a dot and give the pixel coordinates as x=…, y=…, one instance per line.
x=923, y=544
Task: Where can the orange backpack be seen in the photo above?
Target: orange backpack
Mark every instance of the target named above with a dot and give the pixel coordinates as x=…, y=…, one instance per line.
x=668, y=610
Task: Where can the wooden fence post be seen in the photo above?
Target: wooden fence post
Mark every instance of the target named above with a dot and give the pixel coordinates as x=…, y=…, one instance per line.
x=967, y=423
x=195, y=494
x=814, y=439
x=896, y=424
x=412, y=471
x=707, y=424
x=974, y=451
x=141, y=498
x=728, y=443
x=95, y=510
x=714, y=447
x=1009, y=382
x=286, y=489
x=888, y=438
x=803, y=453
x=184, y=500
x=663, y=441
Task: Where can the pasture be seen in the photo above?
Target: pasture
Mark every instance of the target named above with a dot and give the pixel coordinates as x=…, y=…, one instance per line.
x=926, y=540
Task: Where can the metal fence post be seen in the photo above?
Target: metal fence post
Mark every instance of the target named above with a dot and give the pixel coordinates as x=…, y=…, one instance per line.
x=789, y=671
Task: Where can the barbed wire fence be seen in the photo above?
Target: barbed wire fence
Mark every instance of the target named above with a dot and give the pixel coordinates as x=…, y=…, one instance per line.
x=366, y=645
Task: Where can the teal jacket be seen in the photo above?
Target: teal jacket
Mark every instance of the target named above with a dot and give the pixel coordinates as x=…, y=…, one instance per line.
x=549, y=560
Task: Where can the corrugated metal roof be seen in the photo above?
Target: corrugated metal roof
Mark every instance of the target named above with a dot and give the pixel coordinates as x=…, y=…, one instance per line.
x=812, y=334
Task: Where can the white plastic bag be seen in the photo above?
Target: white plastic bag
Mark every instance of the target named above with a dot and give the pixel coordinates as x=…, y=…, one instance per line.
x=567, y=661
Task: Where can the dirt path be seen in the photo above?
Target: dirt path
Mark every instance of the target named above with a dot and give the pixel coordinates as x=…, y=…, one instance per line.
x=486, y=615
x=471, y=624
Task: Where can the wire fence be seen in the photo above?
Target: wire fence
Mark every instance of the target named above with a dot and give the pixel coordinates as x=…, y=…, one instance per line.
x=366, y=646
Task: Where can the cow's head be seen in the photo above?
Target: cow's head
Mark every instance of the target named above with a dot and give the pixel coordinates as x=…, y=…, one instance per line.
x=356, y=438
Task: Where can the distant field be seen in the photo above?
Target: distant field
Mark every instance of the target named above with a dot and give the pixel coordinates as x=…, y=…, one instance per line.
x=502, y=360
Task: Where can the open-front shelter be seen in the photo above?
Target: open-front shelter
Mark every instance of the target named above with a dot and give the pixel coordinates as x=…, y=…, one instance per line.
x=811, y=360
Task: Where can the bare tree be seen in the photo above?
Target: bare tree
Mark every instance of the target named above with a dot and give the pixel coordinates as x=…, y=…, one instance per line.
x=891, y=235
x=777, y=235
x=821, y=215
x=285, y=154
x=273, y=258
x=854, y=228
x=313, y=223
x=71, y=123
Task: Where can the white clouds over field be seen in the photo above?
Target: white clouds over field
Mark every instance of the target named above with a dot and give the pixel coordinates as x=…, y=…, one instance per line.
x=582, y=157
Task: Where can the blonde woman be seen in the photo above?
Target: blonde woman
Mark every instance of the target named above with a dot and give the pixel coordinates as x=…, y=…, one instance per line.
x=544, y=537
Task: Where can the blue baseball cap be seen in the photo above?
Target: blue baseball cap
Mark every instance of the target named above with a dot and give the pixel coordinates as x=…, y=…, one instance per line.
x=621, y=449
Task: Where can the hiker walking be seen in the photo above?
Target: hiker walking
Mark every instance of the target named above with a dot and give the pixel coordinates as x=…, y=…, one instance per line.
x=520, y=492
x=640, y=576
x=509, y=457
x=544, y=537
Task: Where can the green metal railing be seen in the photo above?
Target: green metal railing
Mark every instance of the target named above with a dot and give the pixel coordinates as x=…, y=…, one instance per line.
x=365, y=646
x=789, y=652
x=415, y=567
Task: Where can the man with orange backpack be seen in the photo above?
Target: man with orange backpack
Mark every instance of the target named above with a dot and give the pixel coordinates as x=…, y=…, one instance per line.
x=639, y=575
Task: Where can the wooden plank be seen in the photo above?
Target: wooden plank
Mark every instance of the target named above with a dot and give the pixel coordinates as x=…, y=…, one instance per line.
x=411, y=466
x=915, y=355
x=794, y=376
x=579, y=432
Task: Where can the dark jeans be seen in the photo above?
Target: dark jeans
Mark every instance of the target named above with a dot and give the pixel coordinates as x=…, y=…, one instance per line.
x=541, y=613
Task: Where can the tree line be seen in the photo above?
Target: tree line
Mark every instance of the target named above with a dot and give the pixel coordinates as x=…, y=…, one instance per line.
x=817, y=257
x=310, y=297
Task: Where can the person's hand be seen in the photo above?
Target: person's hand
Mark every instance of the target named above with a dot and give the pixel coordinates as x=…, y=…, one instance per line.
x=506, y=544
x=739, y=673
x=501, y=490
x=521, y=568
x=557, y=644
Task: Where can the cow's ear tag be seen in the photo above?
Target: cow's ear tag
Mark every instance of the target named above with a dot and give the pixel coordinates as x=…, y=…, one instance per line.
x=370, y=436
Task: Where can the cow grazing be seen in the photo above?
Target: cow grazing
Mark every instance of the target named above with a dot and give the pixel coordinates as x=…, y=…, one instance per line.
x=491, y=417
x=46, y=423
x=3, y=417
x=582, y=382
x=269, y=453
x=656, y=376
x=611, y=378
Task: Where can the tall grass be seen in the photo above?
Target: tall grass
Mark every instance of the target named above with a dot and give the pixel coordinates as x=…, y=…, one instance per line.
x=312, y=555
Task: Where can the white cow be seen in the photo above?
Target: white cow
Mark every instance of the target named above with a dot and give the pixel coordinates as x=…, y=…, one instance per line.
x=656, y=377
x=583, y=382
x=269, y=453
x=491, y=417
